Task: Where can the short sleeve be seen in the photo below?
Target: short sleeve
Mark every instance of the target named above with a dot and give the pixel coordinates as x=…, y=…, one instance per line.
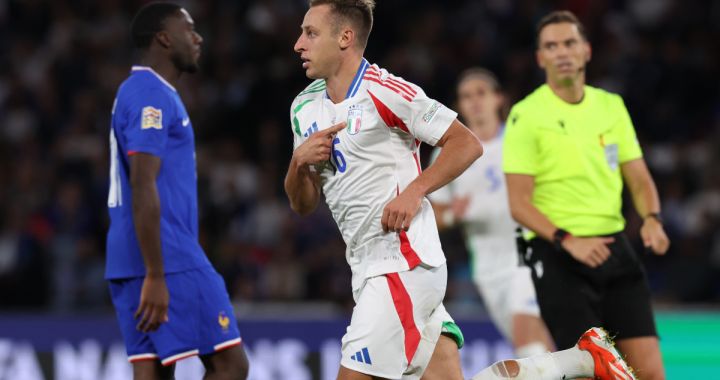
x=520, y=148
x=444, y=194
x=629, y=147
x=149, y=117
x=404, y=105
x=295, y=108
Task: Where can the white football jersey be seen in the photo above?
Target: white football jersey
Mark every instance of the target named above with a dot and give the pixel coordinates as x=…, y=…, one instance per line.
x=372, y=161
x=488, y=214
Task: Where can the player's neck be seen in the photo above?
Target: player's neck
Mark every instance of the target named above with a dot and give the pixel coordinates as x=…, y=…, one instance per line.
x=486, y=130
x=339, y=83
x=163, y=67
x=571, y=91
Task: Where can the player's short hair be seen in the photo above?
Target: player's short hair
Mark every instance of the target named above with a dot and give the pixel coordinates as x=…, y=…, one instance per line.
x=480, y=73
x=359, y=13
x=559, y=17
x=149, y=20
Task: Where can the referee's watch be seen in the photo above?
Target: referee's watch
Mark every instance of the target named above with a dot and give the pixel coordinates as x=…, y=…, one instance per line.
x=654, y=215
x=558, y=237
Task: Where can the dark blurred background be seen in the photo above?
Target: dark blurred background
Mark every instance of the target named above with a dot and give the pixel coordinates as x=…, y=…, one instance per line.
x=61, y=62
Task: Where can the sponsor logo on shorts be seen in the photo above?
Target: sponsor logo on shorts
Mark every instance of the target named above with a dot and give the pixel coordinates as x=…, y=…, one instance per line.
x=362, y=356
x=224, y=321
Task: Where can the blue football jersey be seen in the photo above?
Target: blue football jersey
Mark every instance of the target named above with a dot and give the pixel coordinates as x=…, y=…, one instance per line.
x=148, y=116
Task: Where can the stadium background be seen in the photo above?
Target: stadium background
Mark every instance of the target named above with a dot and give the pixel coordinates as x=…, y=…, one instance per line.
x=61, y=62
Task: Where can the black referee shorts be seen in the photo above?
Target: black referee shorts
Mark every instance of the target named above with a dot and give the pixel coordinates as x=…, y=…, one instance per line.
x=574, y=297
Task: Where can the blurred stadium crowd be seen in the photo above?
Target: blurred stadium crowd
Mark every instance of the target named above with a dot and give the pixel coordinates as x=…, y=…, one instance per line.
x=62, y=60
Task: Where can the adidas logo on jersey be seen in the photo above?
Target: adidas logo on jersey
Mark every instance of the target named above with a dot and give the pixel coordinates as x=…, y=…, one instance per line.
x=313, y=128
x=362, y=356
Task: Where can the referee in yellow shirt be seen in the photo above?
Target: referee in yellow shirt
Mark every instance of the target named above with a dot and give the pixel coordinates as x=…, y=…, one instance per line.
x=568, y=147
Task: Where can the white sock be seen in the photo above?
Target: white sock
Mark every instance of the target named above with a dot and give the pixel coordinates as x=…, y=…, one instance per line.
x=530, y=349
x=574, y=363
x=567, y=364
x=538, y=367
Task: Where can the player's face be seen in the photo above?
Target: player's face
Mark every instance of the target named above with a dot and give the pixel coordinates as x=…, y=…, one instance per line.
x=185, y=42
x=562, y=52
x=318, y=44
x=477, y=100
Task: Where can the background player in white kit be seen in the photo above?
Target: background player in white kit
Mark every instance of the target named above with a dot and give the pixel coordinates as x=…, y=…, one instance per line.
x=477, y=199
x=357, y=131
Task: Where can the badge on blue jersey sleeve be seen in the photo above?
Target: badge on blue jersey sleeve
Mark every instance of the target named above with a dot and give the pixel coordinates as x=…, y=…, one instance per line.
x=151, y=118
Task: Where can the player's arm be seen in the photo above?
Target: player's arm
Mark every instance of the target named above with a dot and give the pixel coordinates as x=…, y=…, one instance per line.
x=647, y=203
x=154, y=298
x=447, y=206
x=301, y=184
x=460, y=149
x=591, y=251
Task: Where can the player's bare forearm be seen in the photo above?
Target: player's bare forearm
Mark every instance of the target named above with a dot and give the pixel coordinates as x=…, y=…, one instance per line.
x=460, y=149
x=647, y=203
x=641, y=186
x=146, y=210
x=520, y=190
x=301, y=186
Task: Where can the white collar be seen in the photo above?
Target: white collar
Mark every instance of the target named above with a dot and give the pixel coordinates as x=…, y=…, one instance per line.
x=148, y=68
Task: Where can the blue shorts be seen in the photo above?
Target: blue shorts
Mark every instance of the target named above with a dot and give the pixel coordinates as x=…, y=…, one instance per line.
x=200, y=317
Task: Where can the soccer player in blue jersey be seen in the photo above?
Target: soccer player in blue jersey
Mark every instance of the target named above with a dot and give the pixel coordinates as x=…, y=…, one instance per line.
x=170, y=302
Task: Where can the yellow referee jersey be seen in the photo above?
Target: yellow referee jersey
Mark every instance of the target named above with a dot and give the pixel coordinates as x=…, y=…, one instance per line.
x=574, y=151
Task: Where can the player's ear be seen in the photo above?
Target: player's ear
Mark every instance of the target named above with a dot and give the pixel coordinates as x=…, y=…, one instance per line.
x=539, y=59
x=163, y=38
x=346, y=38
x=588, y=52
x=500, y=99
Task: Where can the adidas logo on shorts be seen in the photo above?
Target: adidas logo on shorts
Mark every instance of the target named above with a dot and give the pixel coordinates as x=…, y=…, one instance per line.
x=362, y=356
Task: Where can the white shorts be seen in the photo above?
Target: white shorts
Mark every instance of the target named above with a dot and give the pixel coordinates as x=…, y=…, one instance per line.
x=396, y=323
x=505, y=286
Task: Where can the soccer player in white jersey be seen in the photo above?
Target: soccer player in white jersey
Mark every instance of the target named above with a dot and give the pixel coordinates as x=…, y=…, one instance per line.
x=477, y=199
x=357, y=130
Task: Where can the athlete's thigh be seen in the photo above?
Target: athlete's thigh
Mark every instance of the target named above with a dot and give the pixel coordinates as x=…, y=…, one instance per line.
x=349, y=374
x=569, y=302
x=125, y=294
x=523, y=298
x=493, y=273
x=232, y=361
x=152, y=370
x=374, y=342
x=201, y=317
x=445, y=361
x=643, y=355
x=627, y=310
x=396, y=323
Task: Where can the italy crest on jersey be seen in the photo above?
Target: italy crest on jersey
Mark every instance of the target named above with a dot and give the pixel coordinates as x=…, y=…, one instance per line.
x=354, y=119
